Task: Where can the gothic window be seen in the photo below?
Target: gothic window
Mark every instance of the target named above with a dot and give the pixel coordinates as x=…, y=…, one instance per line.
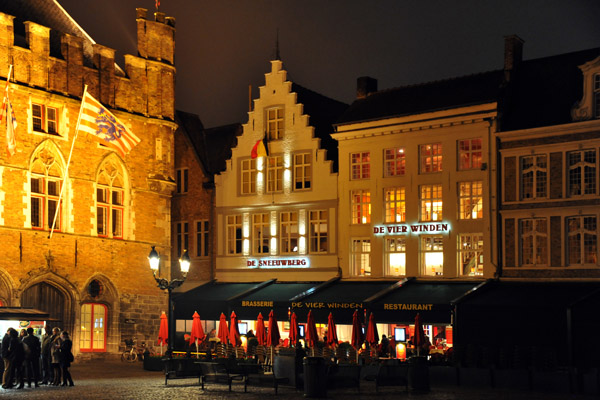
x=110, y=204
x=45, y=185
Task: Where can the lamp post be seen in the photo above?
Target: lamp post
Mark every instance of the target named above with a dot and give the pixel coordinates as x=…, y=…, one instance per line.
x=184, y=263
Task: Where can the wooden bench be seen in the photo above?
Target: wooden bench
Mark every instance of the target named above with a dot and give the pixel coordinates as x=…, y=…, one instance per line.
x=217, y=373
x=392, y=375
x=180, y=368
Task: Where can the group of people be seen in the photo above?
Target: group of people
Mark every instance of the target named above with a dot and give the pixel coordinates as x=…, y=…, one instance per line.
x=23, y=352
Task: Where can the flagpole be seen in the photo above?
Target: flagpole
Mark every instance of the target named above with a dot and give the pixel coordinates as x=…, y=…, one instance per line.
x=68, y=162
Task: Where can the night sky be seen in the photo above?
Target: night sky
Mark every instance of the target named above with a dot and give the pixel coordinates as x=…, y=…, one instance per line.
x=222, y=46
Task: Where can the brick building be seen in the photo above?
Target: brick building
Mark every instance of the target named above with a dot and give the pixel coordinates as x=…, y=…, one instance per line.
x=92, y=274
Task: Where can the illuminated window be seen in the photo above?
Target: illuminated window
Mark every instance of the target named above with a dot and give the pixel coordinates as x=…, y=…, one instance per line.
x=182, y=232
x=234, y=234
x=361, y=206
x=432, y=255
x=395, y=205
x=431, y=158
x=360, y=165
x=109, y=201
x=470, y=254
x=202, y=244
x=394, y=162
x=360, y=256
x=182, y=180
x=275, y=123
x=261, y=227
x=249, y=174
x=288, y=228
x=534, y=177
x=318, y=231
x=469, y=154
x=597, y=95
x=44, y=118
x=534, y=242
x=274, y=174
x=582, y=247
x=92, y=337
x=582, y=172
x=470, y=198
x=302, y=171
x=431, y=203
x=395, y=256
x=45, y=186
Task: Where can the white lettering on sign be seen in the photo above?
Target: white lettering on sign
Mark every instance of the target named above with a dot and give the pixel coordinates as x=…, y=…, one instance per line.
x=300, y=262
x=416, y=229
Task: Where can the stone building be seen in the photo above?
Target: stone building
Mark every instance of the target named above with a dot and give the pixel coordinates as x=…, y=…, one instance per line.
x=91, y=274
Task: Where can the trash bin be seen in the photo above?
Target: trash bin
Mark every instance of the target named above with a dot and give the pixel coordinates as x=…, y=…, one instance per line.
x=418, y=374
x=315, y=377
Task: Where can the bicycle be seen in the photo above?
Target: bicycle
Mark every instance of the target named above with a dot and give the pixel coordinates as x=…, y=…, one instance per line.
x=133, y=351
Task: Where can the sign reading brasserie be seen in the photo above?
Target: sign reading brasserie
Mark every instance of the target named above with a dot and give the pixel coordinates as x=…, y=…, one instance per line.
x=297, y=262
x=404, y=229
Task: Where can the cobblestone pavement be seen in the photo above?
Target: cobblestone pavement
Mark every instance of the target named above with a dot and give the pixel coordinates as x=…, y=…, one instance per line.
x=116, y=380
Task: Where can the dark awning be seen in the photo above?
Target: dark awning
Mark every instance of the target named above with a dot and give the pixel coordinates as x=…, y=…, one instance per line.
x=430, y=299
x=276, y=297
x=340, y=298
x=210, y=300
x=23, y=314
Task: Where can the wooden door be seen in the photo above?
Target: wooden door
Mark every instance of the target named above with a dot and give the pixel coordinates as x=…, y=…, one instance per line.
x=47, y=298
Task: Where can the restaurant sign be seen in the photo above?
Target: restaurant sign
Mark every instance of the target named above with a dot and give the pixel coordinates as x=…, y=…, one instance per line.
x=415, y=229
x=326, y=304
x=407, y=306
x=293, y=262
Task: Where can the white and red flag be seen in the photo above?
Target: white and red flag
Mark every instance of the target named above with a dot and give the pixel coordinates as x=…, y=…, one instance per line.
x=11, y=121
x=96, y=120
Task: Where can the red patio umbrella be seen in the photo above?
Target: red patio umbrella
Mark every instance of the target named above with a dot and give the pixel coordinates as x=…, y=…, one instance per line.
x=331, y=331
x=372, y=335
x=223, y=332
x=234, y=332
x=197, y=333
x=311, y=332
x=163, y=332
x=273, y=336
x=357, y=333
x=261, y=335
x=419, y=334
x=293, y=330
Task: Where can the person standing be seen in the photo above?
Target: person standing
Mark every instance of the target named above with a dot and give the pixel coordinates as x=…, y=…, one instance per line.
x=47, y=375
x=32, y=360
x=66, y=358
x=16, y=353
x=55, y=354
x=7, y=375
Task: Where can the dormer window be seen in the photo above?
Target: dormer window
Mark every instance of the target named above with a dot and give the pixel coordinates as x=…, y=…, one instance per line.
x=588, y=107
x=597, y=95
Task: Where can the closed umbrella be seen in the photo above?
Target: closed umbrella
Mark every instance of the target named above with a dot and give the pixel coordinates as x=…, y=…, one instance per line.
x=293, y=330
x=331, y=331
x=372, y=335
x=273, y=336
x=419, y=333
x=234, y=332
x=261, y=335
x=357, y=338
x=163, y=332
x=223, y=333
x=311, y=332
x=197, y=333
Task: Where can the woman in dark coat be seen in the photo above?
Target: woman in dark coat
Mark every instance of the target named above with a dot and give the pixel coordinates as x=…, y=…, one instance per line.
x=66, y=358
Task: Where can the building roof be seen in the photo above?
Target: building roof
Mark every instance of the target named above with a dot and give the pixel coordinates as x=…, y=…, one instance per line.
x=51, y=14
x=212, y=146
x=427, y=97
x=543, y=91
x=322, y=112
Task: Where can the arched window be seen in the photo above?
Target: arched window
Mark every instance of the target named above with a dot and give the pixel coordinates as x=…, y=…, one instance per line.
x=110, y=200
x=45, y=185
x=93, y=328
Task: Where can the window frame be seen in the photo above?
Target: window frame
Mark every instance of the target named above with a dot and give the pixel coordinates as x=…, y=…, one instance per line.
x=364, y=256
x=182, y=181
x=473, y=241
x=233, y=227
x=582, y=242
x=584, y=183
x=430, y=159
x=426, y=196
x=545, y=236
x=113, y=211
x=93, y=349
x=469, y=201
x=435, y=240
x=394, y=207
x=539, y=177
x=44, y=220
x=275, y=132
x=469, y=158
x=182, y=238
x=274, y=174
x=302, y=171
x=318, y=218
x=396, y=242
x=394, y=162
x=248, y=176
x=361, y=209
x=202, y=238
x=287, y=221
x=257, y=227
x=360, y=165
x=45, y=121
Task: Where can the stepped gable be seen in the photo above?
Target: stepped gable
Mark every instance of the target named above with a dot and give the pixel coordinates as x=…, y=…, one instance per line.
x=544, y=90
x=427, y=97
x=323, y=112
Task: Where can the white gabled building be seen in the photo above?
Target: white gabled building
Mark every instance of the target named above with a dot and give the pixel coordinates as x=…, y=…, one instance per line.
x=277, y=215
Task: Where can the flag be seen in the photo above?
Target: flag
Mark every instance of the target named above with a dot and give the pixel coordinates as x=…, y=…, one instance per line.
x=11, y=127
x=260, y=148
x=104, y=126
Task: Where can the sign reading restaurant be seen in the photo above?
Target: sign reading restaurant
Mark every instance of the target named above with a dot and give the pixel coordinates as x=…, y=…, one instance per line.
x=417, y=229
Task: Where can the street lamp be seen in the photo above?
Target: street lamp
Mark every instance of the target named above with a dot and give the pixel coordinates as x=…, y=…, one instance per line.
x=184, y=263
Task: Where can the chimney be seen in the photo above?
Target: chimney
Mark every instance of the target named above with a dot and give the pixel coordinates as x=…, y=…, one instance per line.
x=513, y=55
x=365, y=85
